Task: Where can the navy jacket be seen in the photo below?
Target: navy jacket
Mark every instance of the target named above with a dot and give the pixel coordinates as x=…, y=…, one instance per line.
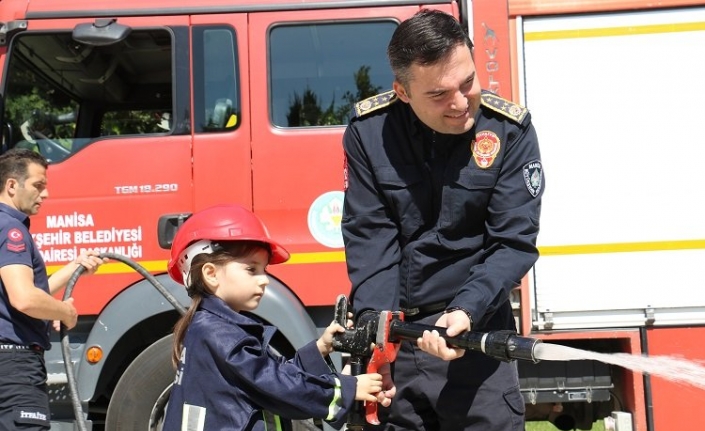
x=228, y=379
x=431, y=218
x=18, y=248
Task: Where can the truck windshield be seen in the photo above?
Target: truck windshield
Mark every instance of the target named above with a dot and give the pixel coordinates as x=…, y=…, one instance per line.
x=62, y=95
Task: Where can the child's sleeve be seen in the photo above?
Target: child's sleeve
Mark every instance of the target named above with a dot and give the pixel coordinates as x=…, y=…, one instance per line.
x=310, y=360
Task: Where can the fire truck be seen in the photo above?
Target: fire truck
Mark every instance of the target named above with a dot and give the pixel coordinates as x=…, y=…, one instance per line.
x=150, y=110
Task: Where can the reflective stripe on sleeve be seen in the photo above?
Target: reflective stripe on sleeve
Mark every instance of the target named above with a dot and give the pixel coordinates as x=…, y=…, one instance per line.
x=335, y=406
x=272, y=422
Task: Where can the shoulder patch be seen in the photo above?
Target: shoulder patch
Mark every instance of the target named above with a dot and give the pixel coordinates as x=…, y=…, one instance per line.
x=15, y=241
x=509, y=109
x=374, y=103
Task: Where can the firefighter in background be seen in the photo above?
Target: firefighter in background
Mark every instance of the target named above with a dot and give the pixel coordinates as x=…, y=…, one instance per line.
x=27, y=306
x=227, y=378
x=440, y=219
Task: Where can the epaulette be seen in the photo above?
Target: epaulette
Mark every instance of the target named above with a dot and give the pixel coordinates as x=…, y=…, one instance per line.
x=509, y=109
x=374, y=103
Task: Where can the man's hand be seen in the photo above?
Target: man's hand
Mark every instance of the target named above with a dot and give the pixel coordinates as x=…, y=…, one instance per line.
x=456, y=322
x=90, y=260
x=71, y=317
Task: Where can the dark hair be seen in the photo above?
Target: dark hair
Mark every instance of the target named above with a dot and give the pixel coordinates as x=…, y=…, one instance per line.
x=426, y=38
x=225, y=252
x=15, y=164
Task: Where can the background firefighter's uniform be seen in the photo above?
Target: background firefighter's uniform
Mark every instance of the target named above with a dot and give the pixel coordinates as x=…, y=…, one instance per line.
x=434, y=221
x=24, y=402
x=228, y=379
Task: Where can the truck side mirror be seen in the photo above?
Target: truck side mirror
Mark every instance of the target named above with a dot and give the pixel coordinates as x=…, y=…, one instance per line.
x=104, y=31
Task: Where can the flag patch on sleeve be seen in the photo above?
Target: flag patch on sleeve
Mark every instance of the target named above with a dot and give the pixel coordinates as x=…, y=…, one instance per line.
x=15, y=241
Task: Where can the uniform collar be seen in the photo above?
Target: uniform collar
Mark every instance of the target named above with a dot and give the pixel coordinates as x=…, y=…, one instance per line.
x=218, y=307
x=16, y=214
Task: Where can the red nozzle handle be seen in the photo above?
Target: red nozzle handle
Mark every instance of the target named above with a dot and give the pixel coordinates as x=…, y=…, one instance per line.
x=385, y=352
x=378, y=358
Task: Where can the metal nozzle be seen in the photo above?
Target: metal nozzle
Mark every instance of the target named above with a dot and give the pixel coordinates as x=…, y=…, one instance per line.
x=502, y=345
x=506, y=345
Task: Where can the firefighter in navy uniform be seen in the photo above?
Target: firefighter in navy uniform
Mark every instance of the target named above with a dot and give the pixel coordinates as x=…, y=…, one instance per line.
x=443, y=188
x=27, y=306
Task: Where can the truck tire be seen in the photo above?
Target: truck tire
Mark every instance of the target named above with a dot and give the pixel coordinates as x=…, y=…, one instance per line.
x=142, y=392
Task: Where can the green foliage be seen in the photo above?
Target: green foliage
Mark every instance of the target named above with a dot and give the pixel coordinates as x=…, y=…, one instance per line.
x=306, y=110
x=130, y=122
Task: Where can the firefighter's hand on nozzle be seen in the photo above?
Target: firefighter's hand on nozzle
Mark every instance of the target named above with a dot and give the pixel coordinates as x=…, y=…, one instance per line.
x=90, y=259
x=431, y=342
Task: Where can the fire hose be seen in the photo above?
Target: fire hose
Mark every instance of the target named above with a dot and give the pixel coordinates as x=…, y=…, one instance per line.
x=376, y=337
x=372, y=342
x=65, y=349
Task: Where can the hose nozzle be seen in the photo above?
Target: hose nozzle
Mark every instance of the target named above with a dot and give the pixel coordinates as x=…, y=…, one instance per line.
x=502, y=345
x=507, y=345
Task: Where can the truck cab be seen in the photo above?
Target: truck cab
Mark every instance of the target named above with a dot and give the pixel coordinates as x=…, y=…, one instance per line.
x=151, y=110
x=148, y=111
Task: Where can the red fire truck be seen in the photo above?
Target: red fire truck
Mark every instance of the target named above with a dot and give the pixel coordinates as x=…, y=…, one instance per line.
x=151, y=110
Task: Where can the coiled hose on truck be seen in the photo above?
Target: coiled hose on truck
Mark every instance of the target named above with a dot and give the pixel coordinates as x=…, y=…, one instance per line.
x=66, y=351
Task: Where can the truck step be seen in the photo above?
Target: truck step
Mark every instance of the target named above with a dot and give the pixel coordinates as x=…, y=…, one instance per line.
x=57, y=379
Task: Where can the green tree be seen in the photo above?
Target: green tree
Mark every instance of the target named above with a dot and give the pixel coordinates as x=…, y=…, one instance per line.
x=365, y=89
x=306, y=110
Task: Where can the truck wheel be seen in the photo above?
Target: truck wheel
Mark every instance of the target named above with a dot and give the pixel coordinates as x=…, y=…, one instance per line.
x=141, y=395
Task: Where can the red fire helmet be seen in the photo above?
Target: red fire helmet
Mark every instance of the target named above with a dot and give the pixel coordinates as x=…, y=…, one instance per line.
x=229, y=222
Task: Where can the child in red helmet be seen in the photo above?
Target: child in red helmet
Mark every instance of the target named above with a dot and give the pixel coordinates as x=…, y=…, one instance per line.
x=227, y=378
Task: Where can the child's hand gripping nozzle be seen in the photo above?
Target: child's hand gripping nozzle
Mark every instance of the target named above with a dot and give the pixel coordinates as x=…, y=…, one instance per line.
x=369, y=345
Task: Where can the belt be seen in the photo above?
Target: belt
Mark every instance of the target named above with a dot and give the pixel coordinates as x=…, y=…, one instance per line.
x=425, y=310
x=20, y=348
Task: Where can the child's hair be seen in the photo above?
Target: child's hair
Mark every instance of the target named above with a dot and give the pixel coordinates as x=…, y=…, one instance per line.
x=223, y=253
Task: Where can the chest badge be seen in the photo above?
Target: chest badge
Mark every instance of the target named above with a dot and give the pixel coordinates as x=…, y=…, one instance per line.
x=485, y=148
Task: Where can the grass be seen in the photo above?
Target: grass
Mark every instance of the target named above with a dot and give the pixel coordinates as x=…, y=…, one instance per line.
x=548, y=426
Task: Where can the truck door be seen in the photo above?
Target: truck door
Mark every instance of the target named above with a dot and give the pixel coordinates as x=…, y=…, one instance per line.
x=312, y=67
x=222, y=124
x=113, y=119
